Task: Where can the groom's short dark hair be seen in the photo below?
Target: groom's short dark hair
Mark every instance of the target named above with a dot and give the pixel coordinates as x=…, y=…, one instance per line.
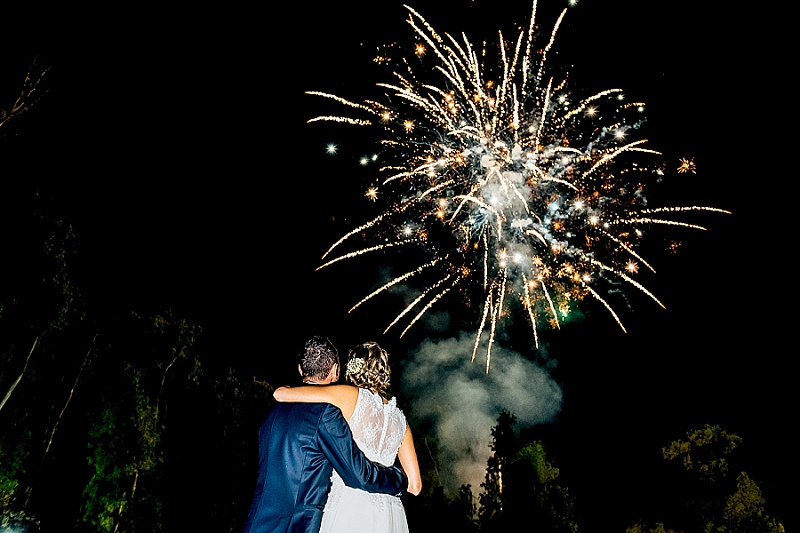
x=318, y=357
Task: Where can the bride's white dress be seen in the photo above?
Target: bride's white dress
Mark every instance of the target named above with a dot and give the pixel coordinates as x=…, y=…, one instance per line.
x=378, y=429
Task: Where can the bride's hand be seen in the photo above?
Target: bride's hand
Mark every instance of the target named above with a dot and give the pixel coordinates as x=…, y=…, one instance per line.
x=281, y=394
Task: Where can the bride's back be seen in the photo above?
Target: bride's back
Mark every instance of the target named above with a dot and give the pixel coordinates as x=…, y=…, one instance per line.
x=377, y=427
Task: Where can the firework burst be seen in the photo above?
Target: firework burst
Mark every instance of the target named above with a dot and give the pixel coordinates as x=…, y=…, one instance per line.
x=518, y=190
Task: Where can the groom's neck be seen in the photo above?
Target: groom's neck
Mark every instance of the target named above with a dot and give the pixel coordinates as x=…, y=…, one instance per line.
x=315, y=381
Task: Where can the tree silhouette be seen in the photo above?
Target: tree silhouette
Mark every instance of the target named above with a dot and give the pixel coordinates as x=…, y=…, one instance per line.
x=521, y=492
x=713, y=498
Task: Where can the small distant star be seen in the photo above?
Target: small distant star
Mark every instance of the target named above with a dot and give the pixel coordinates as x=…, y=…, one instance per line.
x=331, y=149
x=687, y=165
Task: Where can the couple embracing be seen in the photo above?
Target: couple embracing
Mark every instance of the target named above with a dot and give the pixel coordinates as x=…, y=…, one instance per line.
x=326, y=451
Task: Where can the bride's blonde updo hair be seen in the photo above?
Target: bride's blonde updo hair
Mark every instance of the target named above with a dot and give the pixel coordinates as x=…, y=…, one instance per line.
x=368, y=367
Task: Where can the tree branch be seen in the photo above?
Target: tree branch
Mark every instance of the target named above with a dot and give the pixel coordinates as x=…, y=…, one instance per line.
x=24, y=101
x=14, y=385
x=71, y=392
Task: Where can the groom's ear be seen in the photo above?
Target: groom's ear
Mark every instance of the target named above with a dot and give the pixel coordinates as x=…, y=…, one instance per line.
x=333, y=374
x=300, y=370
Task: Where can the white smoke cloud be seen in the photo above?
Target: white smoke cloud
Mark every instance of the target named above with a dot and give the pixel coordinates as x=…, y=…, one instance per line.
x=462, y=402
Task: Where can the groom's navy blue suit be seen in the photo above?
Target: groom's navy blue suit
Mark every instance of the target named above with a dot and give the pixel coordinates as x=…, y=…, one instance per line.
x=299, y=445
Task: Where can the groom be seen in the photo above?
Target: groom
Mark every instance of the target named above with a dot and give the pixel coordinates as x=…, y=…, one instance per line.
x=299, y=446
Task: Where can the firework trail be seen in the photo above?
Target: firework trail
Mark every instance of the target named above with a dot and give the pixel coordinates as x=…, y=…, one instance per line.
x=512, y=185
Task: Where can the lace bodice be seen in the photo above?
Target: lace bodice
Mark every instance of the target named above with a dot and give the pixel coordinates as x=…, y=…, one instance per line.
x=378, y=428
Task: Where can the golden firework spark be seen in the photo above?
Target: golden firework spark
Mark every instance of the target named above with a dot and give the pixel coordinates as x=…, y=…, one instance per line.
x=687, y=165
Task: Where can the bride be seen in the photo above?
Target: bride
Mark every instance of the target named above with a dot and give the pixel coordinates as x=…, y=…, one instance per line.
x=380, y=430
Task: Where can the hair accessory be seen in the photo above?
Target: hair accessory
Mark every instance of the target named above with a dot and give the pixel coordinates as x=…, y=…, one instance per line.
x=354, y=365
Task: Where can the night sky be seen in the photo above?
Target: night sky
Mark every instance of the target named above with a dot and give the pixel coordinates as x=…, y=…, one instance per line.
x=176, y=143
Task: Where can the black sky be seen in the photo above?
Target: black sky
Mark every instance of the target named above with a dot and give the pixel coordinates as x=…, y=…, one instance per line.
x=176, y=142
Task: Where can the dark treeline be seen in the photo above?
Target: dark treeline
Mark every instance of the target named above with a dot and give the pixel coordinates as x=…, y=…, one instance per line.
x=112, y=420
x=523, y=491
